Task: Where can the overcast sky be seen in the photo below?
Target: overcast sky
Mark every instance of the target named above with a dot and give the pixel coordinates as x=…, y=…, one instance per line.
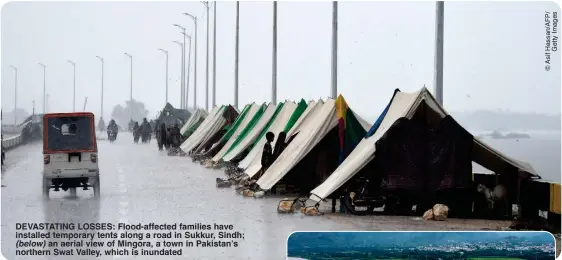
x=494, y=53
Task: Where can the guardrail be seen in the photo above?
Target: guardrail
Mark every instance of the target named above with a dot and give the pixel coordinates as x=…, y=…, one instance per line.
x=12, y=142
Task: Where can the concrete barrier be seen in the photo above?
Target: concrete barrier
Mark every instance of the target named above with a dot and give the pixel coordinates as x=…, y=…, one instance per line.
x=12, y=142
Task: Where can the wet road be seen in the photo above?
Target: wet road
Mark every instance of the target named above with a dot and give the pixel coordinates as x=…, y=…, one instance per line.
x=141, y=185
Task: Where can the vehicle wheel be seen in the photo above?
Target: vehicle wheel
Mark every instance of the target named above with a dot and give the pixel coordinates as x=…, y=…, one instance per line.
x=46, y=187
x=97, y=188
x=348, y=199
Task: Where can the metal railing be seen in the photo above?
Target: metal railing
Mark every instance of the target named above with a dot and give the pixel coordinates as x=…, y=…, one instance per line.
x=12, y=142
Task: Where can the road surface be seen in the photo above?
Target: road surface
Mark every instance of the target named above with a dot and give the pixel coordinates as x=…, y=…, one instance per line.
x=141, y=185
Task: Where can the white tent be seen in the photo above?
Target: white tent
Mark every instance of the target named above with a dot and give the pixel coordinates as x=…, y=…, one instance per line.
x=319, y=122
x=217, y=125
x=405, y=105
x=312, y=106
x=193, y=119
x=202, y=130
x=253, y=132
x=252, y=162
x=254, y=108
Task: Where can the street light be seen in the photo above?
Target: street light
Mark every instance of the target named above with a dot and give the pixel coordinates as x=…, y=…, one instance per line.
x=166, y=52
x=186, y=88
x=15, y=97
x=334, y=49
x=214, y=53
x=74, y=86
x=188, y=71
x=44, y=86
x=181, y=83
x=182, y=88
x=439, y=30
x=194, y=18
x=207, y=6
x=237, y=50
x=101, y=59
x=274, y=63
x=131, y=93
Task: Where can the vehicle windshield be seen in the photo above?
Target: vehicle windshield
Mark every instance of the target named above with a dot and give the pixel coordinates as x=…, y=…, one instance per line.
x=70, y=133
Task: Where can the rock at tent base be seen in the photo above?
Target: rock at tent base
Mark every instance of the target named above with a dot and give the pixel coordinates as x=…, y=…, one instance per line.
x=248, y=193
x=428, y=215
x=311, y=211
x=440, y=212
x=209, y=164
x=285, y=206
x=259, y=194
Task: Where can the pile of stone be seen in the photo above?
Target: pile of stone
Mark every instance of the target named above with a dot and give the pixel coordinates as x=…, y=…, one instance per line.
x=439, y=212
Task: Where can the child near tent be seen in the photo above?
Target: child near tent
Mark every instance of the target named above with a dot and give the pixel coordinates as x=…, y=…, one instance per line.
x=267, y=155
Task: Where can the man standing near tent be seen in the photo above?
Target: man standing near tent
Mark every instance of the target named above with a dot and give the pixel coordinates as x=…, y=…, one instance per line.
x=267, y=154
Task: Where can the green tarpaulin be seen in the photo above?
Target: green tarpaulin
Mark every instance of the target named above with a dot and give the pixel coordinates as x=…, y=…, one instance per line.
x=295, y=116
x=266, y=128
x=236, y=123
x=248, y=128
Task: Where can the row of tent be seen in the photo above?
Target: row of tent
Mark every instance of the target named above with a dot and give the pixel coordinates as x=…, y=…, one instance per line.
x=324, y=126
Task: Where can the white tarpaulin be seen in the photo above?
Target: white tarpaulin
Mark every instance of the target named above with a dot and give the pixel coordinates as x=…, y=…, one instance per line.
x=193, y=119
x=216, y=126
x=252, y=162
x=200, y=132
x=402, y=105
x=252, y=134
x=249, y=115
x=310, y=132
x=313, y=105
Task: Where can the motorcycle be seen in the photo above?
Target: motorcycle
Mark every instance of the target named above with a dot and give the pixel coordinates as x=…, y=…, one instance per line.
x=362, y=196
x=112, y=136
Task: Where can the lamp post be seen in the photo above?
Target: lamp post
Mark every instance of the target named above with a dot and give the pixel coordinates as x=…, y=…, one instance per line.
x=44, y=86
x=194, y=19
x=15, y=97
x=236, y=54
x=334, y=91
x=182, y=88
x=166, y=52
x=207, y=6
x=274, y=64
x=438, y=73
x=131, y=93
x=214, y=53
x=181, y=61
x=102, y=65
x=188, y=70
x=74, y=86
